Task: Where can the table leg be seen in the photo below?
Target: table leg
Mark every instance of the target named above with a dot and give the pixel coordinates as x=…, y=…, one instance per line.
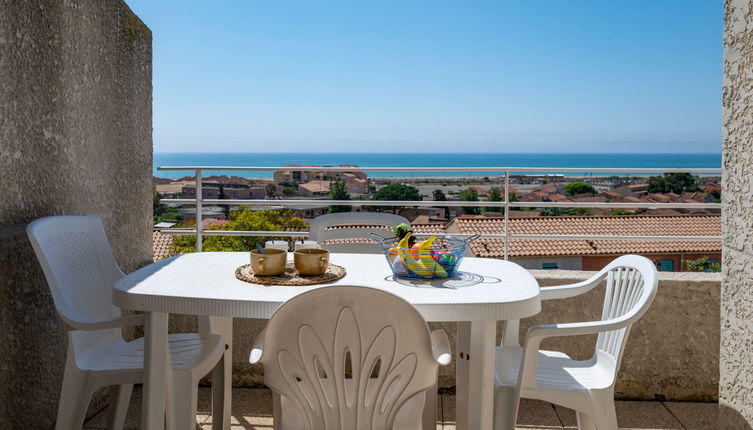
x=461, y=375
x=474, y=398
x=222, y=377
x=156, y=371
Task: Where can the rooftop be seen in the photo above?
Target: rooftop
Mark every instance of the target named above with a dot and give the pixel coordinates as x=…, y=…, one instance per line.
x=627, y=225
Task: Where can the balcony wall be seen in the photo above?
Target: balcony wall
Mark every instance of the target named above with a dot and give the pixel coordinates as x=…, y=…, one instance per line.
x=75, y=138
x=736, y=351
x=672, y=353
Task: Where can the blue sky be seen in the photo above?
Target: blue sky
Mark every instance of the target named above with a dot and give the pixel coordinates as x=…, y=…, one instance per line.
x=443, y=76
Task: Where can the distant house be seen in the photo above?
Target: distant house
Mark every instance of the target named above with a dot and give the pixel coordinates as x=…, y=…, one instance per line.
x=211, y=190
x=356, y=180
x=314, y=188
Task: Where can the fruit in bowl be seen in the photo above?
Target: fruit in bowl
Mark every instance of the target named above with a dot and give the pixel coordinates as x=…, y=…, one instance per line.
x=418, y=258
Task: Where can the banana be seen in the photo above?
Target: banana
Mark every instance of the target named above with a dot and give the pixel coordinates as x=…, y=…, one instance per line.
x=425, y=267
x=425, y=258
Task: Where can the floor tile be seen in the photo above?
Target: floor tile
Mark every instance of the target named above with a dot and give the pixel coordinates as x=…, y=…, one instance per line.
x=645, y=416
x=695, y=415
x=630, y=415
x=567, y=417
x=532, y=414
x=251, y=410
x=133, y=419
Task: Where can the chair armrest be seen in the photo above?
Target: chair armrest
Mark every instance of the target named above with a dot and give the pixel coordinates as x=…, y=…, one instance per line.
x=440, y=347
x=94, y=324
x=571, y=290
x=258, y=349
x=536, y=334
x=576, y=329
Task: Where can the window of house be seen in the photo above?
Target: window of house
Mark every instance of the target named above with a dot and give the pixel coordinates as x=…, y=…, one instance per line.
x=666, y=265
x=549, y=266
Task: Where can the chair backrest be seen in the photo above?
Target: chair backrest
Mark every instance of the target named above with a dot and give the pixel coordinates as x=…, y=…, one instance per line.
x=631, y=284
x=355, y=230
x=348, y=357
x=80, y=270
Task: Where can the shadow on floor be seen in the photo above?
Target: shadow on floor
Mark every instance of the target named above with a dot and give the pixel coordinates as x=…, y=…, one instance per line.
x=252, y=410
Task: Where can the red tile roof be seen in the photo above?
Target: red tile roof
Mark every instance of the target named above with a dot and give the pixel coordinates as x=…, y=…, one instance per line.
x=161, y=245
x=683, y=225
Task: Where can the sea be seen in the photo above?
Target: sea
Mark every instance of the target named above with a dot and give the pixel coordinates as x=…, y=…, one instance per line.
x=548, y=160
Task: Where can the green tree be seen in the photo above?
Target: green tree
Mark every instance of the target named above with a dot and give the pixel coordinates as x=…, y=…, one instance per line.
x=339, y=191
x=494, y=195
x=566, y=212
x=270, y=191
x=396, y=191
x=716, y=194
x=438, y=196
x=677, y=183
x=574, y=188
x=703, y=264
x=469, y=195
x=243, y=219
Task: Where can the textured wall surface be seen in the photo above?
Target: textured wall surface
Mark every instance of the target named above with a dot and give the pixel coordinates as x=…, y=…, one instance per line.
x=75, y=138
x=672, y=353
x=736, y=350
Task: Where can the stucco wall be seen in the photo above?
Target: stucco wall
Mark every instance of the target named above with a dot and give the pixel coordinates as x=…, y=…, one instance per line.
x=75, y=138
x=671, y=353
x=736, y=350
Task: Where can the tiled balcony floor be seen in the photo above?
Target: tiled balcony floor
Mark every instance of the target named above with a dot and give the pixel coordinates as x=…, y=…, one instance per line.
x=252, y=410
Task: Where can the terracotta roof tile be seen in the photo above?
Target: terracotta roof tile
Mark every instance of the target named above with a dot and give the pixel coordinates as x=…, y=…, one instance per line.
x=161, y=245
x=682, y=225
x=434, y=227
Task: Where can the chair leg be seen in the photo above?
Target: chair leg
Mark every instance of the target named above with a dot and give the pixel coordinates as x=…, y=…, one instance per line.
x=218, y=394
x=120, y=397
x=276, y=411
x=505, y=408
x=74, y=399
x=607, y=419
x=586, y=423
x=429, y=416
x=182, y=408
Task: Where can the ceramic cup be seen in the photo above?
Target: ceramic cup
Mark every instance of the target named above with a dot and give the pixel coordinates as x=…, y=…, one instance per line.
x=311, y=261
x=308, y=244
x=277, y=244
x=271, y=262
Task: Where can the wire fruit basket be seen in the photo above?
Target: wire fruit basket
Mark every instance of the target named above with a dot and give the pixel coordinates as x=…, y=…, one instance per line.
x=430, y=259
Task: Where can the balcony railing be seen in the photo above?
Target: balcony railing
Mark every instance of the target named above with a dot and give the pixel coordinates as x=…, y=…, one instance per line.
x=199, y=231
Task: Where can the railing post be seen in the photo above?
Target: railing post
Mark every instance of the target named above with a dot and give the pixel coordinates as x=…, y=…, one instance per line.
x=199, y=198
x=507, y=213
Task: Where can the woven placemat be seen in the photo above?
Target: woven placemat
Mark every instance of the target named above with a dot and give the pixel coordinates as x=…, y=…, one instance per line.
x=290, y=277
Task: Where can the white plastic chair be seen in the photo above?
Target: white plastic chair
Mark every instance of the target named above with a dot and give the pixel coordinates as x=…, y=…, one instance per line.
x=80, y=270
x=359, y=232
x=350, y=358
x=586, y=386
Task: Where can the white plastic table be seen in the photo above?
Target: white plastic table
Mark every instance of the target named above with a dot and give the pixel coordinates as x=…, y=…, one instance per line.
x=487, y=290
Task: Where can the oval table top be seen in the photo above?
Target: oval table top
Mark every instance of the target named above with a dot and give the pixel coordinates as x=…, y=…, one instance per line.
x=204, y=283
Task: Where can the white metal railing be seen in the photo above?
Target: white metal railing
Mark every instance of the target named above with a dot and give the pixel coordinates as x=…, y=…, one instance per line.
x=199, y=201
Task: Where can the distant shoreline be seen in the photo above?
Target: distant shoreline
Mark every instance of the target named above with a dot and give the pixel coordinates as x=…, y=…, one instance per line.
x=551, y=161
